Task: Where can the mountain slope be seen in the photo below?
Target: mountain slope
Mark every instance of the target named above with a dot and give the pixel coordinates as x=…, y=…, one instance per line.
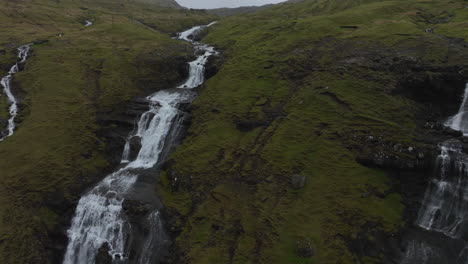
x=333, y=93
x=74, y=94
x=163, y=3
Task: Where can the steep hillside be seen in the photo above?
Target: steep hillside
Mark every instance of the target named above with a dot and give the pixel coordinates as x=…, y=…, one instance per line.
x=75, y=92
x=311, y=143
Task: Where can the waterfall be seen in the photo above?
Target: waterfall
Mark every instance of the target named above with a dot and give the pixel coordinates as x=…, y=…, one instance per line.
x=444, y=210
x=100, y=220
x=23, y=52
x=445, y=206
x=460, y=120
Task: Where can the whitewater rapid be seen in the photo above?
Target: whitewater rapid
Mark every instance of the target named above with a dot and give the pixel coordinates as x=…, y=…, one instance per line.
x=100, y=221
x=23, y=52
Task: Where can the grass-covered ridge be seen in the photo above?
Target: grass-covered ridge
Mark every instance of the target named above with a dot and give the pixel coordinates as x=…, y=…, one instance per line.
x=306, y=89
x=69, y=86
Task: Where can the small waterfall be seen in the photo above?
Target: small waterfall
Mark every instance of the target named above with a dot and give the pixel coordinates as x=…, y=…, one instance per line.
x=23, y=52
x=444, y=210
x=445, y=206
x=152, y=244
x=460, y=120
x=100, y=220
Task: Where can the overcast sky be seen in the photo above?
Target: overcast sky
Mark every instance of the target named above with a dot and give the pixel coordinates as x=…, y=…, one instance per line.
x=224, y=3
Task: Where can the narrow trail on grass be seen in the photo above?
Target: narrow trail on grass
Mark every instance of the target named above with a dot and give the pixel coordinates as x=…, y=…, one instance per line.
x=102, y=222
x=23, y=52
x=443, y=216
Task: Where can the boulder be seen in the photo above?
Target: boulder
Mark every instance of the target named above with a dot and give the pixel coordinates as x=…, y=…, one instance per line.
x=103, y=256
x=298, y=181
x=452, y=132
x=135, y=146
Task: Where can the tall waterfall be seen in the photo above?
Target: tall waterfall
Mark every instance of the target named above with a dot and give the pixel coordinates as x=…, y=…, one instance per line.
x=100, y=221
x=444, y=210
x=23, y=52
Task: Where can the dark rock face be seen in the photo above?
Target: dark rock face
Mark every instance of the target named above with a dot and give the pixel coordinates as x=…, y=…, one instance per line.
x=442, y=89
x=380, y=244
x=103, y=256
x=133, y=208
x=135, y=146
x=174, y=68
x=376, y=151
x=214, y=65
x=117, y=125
x=298, y=181
x=452, y=132
x=2, y=52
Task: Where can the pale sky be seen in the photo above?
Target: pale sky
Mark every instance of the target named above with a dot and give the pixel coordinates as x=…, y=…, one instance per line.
x=224, y=3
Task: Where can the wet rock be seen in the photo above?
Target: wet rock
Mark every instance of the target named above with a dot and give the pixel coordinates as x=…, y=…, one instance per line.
x=414, y=161
x=304, y=248
x=135, y=146
x=213, y=65
x=465, y=148
x=2, y=52
x=452, y=132
x=434, y=125
x=103, y=256
x=135, y=208
x=298, y=181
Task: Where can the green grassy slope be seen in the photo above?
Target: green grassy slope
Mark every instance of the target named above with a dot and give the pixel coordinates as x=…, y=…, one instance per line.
x=69, y=83
x=300, y=94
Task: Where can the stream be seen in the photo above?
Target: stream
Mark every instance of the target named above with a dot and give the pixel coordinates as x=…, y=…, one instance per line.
x=100, y=222
x=23, y=52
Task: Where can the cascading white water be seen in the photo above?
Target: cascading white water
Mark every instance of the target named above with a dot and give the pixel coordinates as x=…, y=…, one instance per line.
x=197, y=67
x=99, y=217
x=445, y=206
x=444, y=209
x=460, y=120
x=152, y=242
x=88, y=23
x=23, y=52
